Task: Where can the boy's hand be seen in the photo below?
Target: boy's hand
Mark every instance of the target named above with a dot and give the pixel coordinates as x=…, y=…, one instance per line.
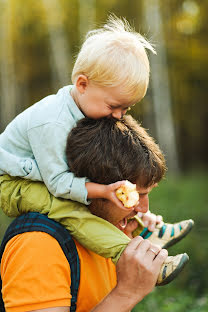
x=96, y=190
x=111, y=195
x=150, y=220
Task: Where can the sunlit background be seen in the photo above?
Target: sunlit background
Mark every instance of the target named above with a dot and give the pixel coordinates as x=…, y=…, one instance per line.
x=39, y=41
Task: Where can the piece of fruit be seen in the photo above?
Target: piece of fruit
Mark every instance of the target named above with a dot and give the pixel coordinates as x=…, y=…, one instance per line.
x=128, y=194
x=140, y=227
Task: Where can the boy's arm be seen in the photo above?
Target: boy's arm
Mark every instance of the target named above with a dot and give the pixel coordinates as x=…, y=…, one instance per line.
x=48, y=145
x=96, y=190
x=18, y=166
x=50, y=154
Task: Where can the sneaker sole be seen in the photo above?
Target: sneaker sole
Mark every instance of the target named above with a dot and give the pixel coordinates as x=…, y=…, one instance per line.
x=175, y=273
x=177, y=239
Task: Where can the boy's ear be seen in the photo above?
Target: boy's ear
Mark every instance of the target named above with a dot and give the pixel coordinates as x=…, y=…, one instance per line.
x=82, y=83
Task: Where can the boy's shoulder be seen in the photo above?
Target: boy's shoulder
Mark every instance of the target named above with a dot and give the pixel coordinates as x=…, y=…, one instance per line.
x=53, y=111
x=57, y=109
x=49, y=108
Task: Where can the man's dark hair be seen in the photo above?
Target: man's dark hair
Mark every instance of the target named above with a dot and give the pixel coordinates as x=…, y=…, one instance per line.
x=109, y=150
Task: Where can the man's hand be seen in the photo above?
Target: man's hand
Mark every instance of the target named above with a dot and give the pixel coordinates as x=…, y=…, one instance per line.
x=138, y=269
x=137, y=273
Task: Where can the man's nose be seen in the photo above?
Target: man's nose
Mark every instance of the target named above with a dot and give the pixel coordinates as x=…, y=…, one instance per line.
x=117, y=114
x=143, y=205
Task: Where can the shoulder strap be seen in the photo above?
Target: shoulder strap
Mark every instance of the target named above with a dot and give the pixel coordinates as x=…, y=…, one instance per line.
x=34, y=221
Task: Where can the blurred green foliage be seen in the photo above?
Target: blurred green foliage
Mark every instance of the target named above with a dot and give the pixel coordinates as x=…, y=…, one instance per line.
x=186, y=198
x=27, y=64
x=174, y=299
x=178, y=199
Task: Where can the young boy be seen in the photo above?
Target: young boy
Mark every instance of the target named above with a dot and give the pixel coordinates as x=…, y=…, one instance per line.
x=111, y=73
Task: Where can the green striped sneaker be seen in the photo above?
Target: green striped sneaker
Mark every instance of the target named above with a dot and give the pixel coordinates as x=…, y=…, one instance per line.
x=170, y=269
x=165, y=234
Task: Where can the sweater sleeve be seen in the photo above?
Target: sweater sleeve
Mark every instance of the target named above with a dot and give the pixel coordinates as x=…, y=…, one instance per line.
x=16, y=166
x=48, y=143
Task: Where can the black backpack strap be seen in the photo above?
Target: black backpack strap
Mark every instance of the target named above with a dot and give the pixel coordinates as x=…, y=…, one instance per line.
x=34, y=221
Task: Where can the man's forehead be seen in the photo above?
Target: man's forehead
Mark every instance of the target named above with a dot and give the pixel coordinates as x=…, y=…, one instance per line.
x=145, y=190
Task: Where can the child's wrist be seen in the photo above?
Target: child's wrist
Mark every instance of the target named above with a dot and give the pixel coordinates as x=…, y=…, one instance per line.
x=95, y=190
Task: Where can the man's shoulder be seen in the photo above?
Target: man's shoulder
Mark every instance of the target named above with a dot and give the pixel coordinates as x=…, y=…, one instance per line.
x=39, y=248
x=33, y=264
x=37, y=256
x=34, y=245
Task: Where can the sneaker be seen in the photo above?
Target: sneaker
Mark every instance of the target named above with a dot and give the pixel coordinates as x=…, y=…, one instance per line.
x=170, y=269
x=165, y=234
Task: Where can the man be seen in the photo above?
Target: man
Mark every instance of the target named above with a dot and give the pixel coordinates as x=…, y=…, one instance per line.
x=35, y=273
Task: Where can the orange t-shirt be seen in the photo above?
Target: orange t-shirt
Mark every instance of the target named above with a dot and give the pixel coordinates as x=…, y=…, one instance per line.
x=36, y=275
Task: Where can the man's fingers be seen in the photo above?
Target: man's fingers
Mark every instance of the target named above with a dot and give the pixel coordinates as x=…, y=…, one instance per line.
x=153, y=251
x=134, y=243
x=137, y=246
x=143, y=247
x=160, y=258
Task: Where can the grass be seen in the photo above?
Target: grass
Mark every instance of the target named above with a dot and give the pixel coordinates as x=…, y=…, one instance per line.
x=170, y=298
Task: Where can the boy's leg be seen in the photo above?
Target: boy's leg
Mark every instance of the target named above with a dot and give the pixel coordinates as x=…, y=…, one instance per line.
x=19, y=196
x=165, y=234
x=172, y=266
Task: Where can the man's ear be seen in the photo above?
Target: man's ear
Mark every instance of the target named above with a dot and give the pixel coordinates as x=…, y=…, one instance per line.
x=82, y=83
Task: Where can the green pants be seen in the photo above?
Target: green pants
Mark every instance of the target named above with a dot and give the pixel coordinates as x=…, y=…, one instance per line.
x=18, y=196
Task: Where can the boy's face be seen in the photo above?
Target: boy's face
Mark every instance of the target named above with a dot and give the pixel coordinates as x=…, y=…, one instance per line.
x=97, y=102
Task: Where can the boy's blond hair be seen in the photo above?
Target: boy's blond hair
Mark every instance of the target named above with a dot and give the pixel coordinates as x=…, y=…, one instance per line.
x=115, y=55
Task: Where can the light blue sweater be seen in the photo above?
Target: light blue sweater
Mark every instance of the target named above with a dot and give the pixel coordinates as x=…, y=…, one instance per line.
x=33, y=145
